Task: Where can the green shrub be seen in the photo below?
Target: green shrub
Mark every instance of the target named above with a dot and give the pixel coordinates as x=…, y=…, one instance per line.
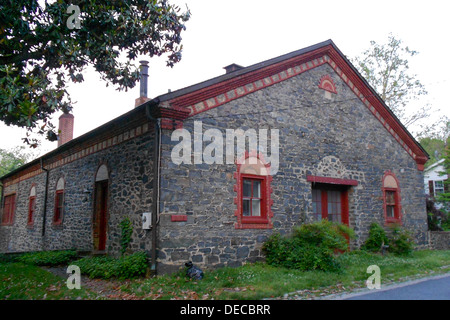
x=377, y=238
x=105, y=267
x=47, y=258
x=324, y=234
x=126, y=231
x=401, y=242
x=310, y=247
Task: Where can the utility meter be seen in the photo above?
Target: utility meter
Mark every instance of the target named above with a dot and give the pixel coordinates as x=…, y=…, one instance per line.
x=146, y=220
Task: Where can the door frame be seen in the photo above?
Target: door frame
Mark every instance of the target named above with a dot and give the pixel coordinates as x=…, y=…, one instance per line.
x=100, y=215
x=343, y=189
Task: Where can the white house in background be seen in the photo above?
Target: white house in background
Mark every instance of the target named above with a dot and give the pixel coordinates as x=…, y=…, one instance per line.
x=434, y=182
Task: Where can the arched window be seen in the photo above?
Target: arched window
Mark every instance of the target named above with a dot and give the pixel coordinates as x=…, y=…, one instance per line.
x=253, y=190
x=391, y=198
x=102, y=173
x=59, y=202
x=31, y=206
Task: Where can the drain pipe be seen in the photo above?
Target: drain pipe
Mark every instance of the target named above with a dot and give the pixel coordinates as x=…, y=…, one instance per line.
x=44, y=216
x=156, y=180
x=1, y=199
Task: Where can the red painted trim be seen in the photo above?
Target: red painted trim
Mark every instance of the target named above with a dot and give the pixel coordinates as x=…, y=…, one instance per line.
x=377, y=107
x=12, y=209
x=398, y=206
x=344, y=203
x=31, y=210
x=265, y=222
x=58, y=214
x=327, y=83
x=267, y=76
x=262, y=219
x=178, y=217
x=344, y=207
x=317, y=179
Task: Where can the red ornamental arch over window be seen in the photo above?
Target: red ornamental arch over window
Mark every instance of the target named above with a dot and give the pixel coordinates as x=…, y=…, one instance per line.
x=327, y=84
x=253, y=193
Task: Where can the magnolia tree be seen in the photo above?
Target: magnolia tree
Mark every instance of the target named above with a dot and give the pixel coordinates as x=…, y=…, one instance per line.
x=45, y=44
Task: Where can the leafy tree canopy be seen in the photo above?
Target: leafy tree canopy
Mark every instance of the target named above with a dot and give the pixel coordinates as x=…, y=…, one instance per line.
x=445, y=196
x=386, y=68
x=43, y=45
x=13, y=158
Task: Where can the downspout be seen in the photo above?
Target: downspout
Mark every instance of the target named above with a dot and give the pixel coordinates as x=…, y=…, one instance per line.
x=1, y=199
x=44, y=216
x=156, y=183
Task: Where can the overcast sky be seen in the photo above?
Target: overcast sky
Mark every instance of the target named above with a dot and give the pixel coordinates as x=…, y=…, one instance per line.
x=248, y=31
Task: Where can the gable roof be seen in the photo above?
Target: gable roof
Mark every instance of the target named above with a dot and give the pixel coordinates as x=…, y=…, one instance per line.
x=434, y=165
x=217, y=91
x=189, y=101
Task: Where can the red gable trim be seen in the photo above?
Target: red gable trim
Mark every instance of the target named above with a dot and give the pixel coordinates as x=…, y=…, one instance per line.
x=346, y=182
x=377, y=107
x=223, y=92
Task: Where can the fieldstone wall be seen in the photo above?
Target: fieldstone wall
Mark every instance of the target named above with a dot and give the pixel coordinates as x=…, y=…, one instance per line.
x=440, y=240
x=333, y=136
x=130, y=194
x=328, y=135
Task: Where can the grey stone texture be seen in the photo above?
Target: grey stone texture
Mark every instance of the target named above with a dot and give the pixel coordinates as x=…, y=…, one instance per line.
x=440, y=240
x=337, y=138
x=319, y=135
x=130, y=189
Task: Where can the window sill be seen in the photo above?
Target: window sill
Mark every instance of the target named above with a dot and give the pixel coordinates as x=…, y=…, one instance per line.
x=253, y=224
x=57, y=225
x=6, y=224
x=393, y=221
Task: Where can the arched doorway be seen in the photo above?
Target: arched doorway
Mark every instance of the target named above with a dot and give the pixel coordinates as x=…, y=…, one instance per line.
x=100, y=218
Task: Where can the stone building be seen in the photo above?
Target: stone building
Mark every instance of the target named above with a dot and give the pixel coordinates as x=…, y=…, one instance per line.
x=224, y=164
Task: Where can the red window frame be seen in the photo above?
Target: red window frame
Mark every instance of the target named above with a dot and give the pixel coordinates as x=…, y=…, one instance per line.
x=31, y=210
x=395, y=205
x=9, y=207
x=321, y=200
x=262, y=217
x=388, y=202
x=253, y=222
x=59, y=206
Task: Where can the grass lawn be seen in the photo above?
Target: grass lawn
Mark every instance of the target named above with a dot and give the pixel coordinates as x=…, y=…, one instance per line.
x=251, y=281
x=19, y=281
x=258, y=281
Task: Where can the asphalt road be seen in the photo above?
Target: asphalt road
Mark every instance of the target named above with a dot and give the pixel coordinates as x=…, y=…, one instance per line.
x=435, y=288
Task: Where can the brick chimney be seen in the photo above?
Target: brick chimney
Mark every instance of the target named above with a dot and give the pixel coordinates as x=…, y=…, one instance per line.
x=65, y=131
x=143, y=84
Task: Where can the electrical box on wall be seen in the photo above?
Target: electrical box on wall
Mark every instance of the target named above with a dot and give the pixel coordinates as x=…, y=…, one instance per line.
x=146, y=220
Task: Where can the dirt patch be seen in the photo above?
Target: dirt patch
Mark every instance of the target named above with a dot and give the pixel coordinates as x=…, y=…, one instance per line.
x=105, y=289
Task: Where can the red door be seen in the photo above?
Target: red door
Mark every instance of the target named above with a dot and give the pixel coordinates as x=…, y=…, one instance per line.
x=100, y=215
